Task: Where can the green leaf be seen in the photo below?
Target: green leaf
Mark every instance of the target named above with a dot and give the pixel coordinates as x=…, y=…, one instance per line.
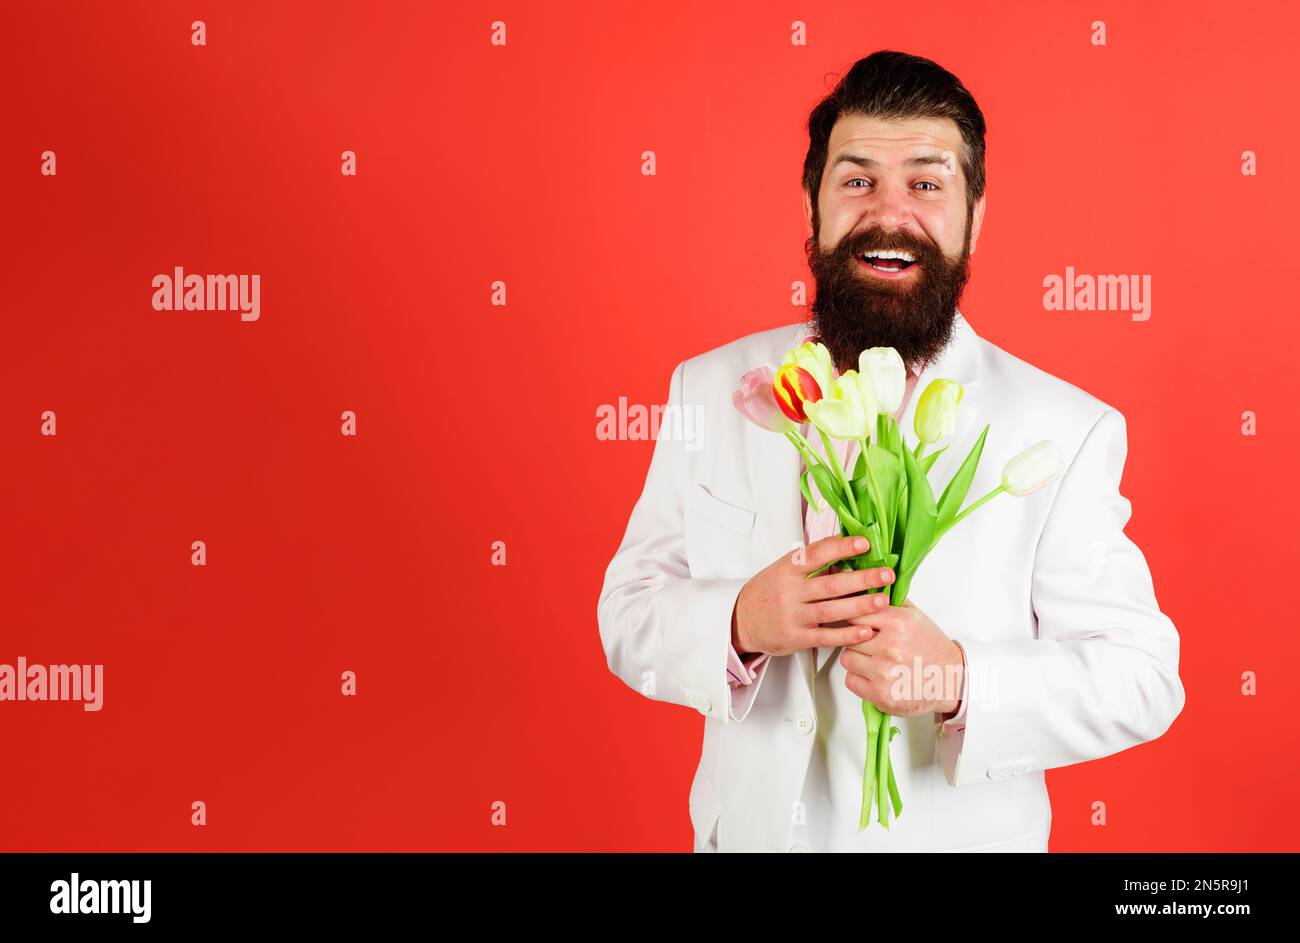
x=922, y=526
x=955, y=493
x=896, y=445
x=862, y=491
x=888, y=473
x=929, y=460
x=887, y=434
x=900, y=522
x=807, y=492
x=860, y=468
x=829, y=487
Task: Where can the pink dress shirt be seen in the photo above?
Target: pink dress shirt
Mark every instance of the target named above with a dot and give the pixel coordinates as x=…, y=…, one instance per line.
x=742, y=673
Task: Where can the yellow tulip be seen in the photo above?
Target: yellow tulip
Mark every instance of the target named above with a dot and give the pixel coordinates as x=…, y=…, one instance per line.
x=848, y=410
x=936, y=410
x=816, y=359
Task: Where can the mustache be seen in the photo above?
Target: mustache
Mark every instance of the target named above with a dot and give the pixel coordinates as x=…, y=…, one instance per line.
x=854, y=245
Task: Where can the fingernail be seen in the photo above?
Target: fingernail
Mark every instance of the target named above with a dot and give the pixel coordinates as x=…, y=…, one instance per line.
x=889, y=576
x=860, y=543
x=863, y=633
x=883, y=601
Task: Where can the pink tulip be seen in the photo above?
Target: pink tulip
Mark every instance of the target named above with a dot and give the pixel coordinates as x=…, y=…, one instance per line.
x=756, y=401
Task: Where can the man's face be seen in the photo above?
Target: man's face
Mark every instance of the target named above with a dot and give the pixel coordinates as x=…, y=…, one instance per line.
x=890, y=185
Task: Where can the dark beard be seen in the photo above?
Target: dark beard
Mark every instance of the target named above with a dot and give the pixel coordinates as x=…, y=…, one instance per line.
x=853, y=310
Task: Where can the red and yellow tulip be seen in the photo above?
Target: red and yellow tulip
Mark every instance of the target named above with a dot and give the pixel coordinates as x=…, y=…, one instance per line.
x=794, y=386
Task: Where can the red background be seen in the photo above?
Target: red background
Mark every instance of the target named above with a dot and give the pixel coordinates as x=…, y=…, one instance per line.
x=477, y=422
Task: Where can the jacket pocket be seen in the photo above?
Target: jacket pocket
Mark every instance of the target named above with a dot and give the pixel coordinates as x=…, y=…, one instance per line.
x=717, y=536
x=739, y=520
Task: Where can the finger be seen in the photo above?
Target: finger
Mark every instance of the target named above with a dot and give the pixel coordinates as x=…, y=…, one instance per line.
x=877, y=622
x=868, y=646
x=829, y=549
x=860, y=686
x=878, y=647
x=826, y=637
x=848, y=608
x=885, y=615
x=856, y=663
x=834, y=585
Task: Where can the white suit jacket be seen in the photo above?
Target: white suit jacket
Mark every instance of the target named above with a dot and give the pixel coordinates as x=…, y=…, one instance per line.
x=1069, y=657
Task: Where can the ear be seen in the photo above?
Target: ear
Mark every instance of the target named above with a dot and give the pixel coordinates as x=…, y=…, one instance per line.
x=976, y=222
x=807, y=214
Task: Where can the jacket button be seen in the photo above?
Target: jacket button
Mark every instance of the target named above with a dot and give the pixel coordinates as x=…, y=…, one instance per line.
x=799, y=847
x=703, y=705
x=804, y=723
x=996, y=772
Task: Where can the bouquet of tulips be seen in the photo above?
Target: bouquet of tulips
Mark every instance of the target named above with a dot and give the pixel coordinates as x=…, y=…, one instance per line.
x=887, y=498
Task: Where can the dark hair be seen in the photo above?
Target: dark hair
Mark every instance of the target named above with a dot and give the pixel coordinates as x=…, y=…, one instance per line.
x=888, y=84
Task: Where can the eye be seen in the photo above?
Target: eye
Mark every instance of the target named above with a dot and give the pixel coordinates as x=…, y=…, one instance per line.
x=855, y=180
x=930, y=183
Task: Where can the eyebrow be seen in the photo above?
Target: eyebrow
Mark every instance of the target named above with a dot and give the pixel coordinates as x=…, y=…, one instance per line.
x=921, y=161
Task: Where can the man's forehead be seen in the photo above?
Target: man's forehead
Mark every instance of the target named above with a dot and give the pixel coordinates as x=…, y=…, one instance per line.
x=893, y=140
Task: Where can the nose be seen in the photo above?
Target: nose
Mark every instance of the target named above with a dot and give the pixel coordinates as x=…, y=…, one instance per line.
x=887, y=209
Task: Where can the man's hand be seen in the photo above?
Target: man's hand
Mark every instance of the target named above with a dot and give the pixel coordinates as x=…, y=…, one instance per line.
x=883, y=669
x=781, y=610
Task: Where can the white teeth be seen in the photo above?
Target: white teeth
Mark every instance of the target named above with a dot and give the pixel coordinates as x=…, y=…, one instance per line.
x=889, y=254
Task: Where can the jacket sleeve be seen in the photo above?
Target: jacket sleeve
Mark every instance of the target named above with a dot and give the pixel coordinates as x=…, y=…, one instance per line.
x=666, y=635
x=1101, y=675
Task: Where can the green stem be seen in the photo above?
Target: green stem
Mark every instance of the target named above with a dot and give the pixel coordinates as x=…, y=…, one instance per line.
x=833, y=461
x=895, y=799
x=804, y=447
x=882, y=770
x=871, y=715
x=996, y=491
x=877, y=499
x=811, y=458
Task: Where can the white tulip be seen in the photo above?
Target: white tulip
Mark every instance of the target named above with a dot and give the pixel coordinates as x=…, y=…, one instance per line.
x=888, y=376
x=1033, y=468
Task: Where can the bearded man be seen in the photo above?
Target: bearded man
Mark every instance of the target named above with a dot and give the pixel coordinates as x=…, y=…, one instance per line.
x=1038, y=612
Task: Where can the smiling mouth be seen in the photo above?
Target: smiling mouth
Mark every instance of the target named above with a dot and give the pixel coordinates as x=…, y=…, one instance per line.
x=888, y=263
